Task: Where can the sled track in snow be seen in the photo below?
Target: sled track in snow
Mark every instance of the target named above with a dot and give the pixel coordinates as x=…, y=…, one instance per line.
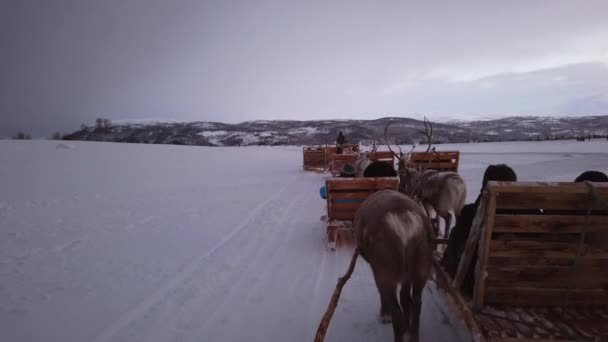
x=188, y=270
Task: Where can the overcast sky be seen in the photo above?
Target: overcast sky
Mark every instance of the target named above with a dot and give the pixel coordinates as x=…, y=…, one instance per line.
x=64, y=63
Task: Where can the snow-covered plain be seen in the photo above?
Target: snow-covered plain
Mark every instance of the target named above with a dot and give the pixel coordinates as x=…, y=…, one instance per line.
x=126, y=242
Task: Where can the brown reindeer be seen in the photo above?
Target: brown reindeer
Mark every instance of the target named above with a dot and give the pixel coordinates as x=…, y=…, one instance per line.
x=442, y=191
x=394, y=235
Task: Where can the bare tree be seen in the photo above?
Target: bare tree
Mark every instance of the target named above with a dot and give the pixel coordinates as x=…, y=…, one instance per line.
x=56, y=136
x=22, y=136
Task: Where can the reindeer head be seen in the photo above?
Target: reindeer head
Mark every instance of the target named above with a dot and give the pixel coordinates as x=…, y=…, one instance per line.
x=402, y=158
x=409, y=180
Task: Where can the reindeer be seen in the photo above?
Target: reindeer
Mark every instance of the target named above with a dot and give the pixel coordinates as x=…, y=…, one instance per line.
x=394, y=235
x=361, y=164
x=442, y=191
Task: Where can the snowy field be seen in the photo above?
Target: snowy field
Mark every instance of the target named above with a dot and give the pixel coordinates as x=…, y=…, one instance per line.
x=124, y=242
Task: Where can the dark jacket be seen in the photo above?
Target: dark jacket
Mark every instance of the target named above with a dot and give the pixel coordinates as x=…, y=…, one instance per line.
x=341, y=140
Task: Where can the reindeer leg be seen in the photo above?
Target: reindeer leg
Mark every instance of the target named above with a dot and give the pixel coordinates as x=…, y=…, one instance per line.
x=448, y=225
x=406, y=303
x=416, y=308
x=388, y=296
x=434, y=221
x=390, y=311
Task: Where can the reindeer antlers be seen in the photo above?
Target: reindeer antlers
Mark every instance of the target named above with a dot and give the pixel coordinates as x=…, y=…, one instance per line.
x=428, y=133
x=388, y=145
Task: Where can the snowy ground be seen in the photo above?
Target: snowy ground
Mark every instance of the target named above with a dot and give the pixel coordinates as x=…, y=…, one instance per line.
x=124, y=242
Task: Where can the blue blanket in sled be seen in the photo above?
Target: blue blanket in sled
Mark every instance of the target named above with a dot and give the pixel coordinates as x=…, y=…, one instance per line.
x=323, y=193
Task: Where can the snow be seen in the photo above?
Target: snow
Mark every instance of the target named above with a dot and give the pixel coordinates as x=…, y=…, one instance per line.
x=207, y=134
x=65, y=146
x=305, y=130
x=129, y=242
x=267, y=134
x=246, y=137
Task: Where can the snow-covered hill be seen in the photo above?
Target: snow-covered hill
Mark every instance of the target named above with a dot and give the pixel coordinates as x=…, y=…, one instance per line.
x=403, y=131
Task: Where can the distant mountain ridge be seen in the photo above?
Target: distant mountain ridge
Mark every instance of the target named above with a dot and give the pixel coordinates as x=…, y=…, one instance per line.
x=291, y=132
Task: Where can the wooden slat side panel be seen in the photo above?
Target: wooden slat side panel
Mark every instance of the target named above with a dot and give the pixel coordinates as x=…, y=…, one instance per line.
x=543, y=261
x=433, y=165
x=346, y=195
x=435, y=155
x=484, y=251
x=362, y=183
x=338, y=215
x=337, y=206
x=443, y=161
x=545, y=201
x=544, y=297
x=344, y=157
x=546, y=187
x=562, y=224
x=555, y=277
x=385, y=156
x=545, y=249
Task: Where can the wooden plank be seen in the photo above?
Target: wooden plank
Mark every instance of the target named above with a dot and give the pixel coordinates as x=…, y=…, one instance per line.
x=345, y=206
x=471, y=244
x=544, y=261
x=545, y=249
x=362, y=183
x=484, y=252
x=433, y=165
x=435, y=155
x=547, y=200
x=544, y=297
x=563, y=224
x=558, y=277
x=385, y=156
x=349, y=215
x=546, y=187
x=348, y=196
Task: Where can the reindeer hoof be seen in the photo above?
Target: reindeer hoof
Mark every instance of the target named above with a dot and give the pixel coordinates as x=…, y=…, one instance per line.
x=386, y=318
x=406, y=338
x=331, y=246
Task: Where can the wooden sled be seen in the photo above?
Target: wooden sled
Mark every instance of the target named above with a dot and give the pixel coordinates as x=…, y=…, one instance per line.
x=542, y=270
x=344, y=197
x=315, y=158
x=440, y=161
x=383, y=156
x=318, y=158
x=339, y=160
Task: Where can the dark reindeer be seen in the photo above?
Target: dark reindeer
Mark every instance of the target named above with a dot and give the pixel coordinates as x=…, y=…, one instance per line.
x=394, y=235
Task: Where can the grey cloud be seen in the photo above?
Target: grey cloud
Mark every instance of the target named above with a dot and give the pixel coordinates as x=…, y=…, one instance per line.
x=67, y=62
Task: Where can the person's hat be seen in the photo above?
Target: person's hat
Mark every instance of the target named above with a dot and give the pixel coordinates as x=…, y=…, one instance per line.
x=348, y=170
